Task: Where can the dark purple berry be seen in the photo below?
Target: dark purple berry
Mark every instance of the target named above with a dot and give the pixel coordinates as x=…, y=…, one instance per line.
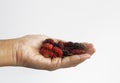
x=76, y=45
x=51, y=41
x=82, y=47
x=79, y=46
x=55, y=44
x=66, y=53
x=60, y=44
x=68, y=44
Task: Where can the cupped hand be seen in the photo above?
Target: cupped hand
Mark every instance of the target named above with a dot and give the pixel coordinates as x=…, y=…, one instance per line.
x=28, y=55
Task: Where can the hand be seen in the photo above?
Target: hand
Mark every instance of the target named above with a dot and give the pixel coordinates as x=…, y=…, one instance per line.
x=28, y=55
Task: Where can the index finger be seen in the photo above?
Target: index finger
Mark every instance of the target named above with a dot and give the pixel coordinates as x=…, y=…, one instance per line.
x=71, y=61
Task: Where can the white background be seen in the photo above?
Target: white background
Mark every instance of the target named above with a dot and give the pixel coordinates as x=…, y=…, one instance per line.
x=95, y=21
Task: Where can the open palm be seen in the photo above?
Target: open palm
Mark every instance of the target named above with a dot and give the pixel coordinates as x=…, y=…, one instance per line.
x=28, y=55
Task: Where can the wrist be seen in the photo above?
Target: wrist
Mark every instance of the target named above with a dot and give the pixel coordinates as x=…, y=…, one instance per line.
x=8, y=52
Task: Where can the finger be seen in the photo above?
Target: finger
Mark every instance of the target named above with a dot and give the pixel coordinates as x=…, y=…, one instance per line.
x=91, y=51
x=88, y=45
x=82, y=58
x=89, y=48
x=55, y=64
x=74, y=60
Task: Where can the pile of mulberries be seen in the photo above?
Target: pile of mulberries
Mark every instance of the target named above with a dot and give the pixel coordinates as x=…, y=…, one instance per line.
x=52, y=49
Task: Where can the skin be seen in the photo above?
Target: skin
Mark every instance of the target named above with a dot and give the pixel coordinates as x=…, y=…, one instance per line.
x=24, y=52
